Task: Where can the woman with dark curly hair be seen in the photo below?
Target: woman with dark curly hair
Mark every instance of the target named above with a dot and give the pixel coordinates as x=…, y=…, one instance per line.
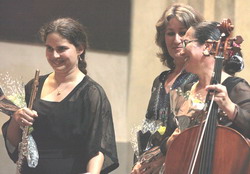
x=191, y=103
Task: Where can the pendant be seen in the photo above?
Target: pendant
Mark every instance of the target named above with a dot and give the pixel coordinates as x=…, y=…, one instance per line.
x=58, y=93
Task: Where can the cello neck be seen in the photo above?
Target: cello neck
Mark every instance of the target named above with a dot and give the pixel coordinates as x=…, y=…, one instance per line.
x=207, y=149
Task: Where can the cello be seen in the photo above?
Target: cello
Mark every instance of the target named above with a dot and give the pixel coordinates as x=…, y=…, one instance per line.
x=210, y=148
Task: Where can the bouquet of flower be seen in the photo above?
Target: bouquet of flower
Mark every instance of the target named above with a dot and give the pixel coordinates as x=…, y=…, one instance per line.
x=12, y=98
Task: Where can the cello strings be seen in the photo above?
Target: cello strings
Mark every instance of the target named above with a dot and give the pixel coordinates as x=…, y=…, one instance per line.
x=202, y=135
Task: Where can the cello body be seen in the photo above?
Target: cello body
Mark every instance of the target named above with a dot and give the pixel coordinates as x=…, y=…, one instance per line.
x=231, y=152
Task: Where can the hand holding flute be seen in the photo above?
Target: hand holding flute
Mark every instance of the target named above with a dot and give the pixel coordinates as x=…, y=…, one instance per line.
x=25, y=118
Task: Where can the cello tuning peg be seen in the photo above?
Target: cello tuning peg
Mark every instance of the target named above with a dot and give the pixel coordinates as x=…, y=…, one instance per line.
x=239, y=40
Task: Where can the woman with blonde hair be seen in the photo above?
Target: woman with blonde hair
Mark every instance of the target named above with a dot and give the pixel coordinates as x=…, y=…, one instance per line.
x=171, y=27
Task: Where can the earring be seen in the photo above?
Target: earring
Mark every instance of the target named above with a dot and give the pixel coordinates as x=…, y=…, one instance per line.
x=206, y=52
x=80, y=58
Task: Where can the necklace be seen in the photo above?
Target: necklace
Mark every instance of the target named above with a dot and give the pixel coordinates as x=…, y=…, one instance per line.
x=59, y=91
x=61, y=87
x=197, y=96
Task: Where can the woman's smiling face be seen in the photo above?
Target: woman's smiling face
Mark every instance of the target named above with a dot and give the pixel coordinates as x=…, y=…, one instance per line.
x=173, y=33
x=192, y=51
x=61, y=54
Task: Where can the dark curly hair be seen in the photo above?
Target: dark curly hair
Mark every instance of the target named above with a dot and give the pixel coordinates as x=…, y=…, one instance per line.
x=186, y=15
x=71, y=30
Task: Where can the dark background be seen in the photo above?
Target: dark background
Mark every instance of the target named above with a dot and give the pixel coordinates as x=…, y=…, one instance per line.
x=107, y=21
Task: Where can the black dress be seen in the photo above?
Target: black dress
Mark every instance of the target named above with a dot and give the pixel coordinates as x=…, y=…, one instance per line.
x=69, y=133
x=159, y=111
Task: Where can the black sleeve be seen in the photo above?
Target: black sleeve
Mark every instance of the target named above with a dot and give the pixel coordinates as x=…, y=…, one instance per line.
x=101, y=135
x=240, y=95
